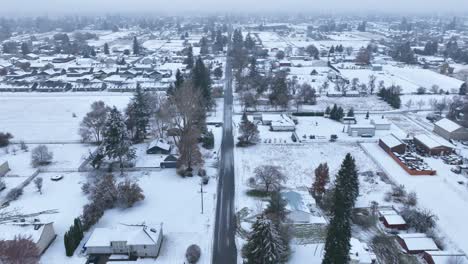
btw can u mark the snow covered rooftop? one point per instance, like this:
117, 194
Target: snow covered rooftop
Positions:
447, 257
160, 143
431, 142
418, 241
358, 252
448, 125
10, 230
391, 141
133, 235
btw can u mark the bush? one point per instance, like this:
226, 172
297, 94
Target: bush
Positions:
308, 113
201, 172
258, 193
91, 215
128, 193
5, 139
41, 155
420, 220
208, 140
14, 194
23, 146
193, 253
412, 199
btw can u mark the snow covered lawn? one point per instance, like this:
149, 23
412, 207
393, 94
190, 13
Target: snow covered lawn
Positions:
49, 117
175, 202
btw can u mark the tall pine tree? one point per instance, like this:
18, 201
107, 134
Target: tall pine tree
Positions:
139, 113
346, 191
202, 81
265, 245
136, 46
116, 143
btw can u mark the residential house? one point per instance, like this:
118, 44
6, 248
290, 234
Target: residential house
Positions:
159, 146
42, 234
130, 240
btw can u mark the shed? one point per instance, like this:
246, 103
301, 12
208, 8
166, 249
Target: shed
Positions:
433, 146
416, 243
159, 146
169, 162
444, 257
448, 129
391, 143
300, 206
391, 219
381, 124
4, 168
361, 130
278, 122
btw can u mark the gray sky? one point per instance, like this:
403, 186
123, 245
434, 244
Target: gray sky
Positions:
171, 6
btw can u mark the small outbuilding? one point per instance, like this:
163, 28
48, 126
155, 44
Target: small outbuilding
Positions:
381, 124
416, 243
361, 130
444, 257
450, 130
391, 219
433, 146
169, 162
391, 143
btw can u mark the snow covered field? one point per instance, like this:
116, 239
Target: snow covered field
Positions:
36, 117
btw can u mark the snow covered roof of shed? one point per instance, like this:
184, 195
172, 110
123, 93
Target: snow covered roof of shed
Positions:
448, 125
431, 142
418, 241
391, 141
447, 257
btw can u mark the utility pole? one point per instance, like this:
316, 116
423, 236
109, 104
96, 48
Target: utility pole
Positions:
201, 195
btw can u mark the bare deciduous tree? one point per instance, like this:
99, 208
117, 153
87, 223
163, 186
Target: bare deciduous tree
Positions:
128, 193
93, 123
41, 155
269, 177
38, 183
188, 117
20, 250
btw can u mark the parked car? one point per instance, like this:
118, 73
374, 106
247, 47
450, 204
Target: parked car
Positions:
456, 170
56, 177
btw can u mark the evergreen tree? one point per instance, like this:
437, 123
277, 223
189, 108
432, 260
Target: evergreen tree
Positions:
337, 244
264, 245
189, 60
202, 81
204, 46
346, 191
106, 49
116, 142
139, 114
249, 43
179, 79
136, 46
25, 48
219, 42
350, 112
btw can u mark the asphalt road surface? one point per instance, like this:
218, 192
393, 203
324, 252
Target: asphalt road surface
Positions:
224, 247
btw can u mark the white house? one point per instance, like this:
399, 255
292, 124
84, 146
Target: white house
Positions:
381, 124
131, 240
300, 207
42, 234
278, 122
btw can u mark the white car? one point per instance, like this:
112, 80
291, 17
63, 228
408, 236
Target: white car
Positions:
56, 177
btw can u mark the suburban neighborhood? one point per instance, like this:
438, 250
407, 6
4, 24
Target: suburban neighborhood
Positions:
228, 138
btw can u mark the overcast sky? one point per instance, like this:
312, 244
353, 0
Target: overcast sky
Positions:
172, 6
